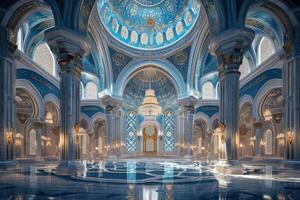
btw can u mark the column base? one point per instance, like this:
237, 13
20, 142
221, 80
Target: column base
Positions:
8, 164
229, 167
69, 167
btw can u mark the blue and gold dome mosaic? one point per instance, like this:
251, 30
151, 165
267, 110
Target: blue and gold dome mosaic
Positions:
148, 24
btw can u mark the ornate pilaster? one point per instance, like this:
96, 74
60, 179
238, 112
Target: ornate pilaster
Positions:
114, 123
258, 138
229, 48
7, 96
188, 110
70, 48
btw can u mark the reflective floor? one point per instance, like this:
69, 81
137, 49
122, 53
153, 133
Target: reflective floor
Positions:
150, 180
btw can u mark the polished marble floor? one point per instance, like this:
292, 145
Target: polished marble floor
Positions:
150, 180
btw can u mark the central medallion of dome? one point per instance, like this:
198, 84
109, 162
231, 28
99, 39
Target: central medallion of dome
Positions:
148, 24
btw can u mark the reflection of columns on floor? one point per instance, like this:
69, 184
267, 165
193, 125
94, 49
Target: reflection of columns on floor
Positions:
291, 89
179, 135
70, 48
7, 96
121, 133
188, 108
258, 138
114, 119
229, 48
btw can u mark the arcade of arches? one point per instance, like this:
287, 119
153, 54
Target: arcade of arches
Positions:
167, 79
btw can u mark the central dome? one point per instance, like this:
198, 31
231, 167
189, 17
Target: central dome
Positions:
148, 24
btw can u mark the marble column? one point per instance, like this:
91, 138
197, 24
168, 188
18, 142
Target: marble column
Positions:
7, 98
114, 122
188, 109
291, 89
179, 135
69, 48
229, 48
258, 137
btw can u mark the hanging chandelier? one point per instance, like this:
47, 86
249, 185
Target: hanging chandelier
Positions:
150, 106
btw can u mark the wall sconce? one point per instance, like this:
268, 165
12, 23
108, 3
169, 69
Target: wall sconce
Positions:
290, 137
268, 115
46, 141
280, 138
9, 136
19, 138
222, 133
252, 141
77, 131
262, 143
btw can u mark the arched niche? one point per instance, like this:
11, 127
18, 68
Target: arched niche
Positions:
271, 108
149, 77
201, 137
50, 135
98, 140
27, 111
246, 131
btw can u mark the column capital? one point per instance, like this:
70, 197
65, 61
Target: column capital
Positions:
7, 48
229, 48
69, 47
109, 100
188, 101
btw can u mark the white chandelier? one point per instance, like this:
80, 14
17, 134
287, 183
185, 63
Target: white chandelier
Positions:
150, 106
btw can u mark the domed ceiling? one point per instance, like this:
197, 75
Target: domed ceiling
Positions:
146, 78
146, 24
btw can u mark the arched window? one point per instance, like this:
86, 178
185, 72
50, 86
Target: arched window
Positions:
169, 131
266, 49
43, 56
49, 118
91, 90
20, 37
81, 91
208, 91
269, 142
245, 68
131, 131
32, 142
217, 90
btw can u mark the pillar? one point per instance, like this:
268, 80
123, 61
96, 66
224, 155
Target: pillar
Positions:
188, 110
69, 48
291, 89
258, 137
114, 125
229, 48
7, 98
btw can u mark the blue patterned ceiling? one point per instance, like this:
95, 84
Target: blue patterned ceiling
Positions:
145, 78
146, 24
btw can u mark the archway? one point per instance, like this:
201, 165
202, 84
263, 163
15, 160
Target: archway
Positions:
150, 139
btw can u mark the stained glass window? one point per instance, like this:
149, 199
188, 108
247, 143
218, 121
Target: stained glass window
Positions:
169, 131
131, 128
